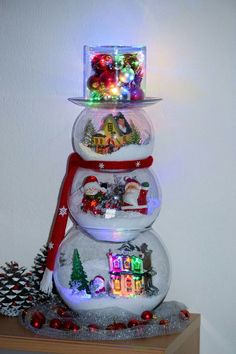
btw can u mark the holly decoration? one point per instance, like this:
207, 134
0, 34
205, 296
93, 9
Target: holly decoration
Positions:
16, 289
79, 280
37, 274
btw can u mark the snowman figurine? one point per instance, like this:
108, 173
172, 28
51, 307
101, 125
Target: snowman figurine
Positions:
96, 176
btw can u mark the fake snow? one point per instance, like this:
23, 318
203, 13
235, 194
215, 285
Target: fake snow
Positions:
125, 153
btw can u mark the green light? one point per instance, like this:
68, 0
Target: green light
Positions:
95, 96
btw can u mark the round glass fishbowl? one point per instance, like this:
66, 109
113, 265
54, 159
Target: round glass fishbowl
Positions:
114, 206
114, 73
133, 276
113, 135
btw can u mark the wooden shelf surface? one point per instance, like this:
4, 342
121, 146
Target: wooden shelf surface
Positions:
15, 337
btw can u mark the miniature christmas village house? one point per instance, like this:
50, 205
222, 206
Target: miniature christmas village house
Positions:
114, 133
126, 274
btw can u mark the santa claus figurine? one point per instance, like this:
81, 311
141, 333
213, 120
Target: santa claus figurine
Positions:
135, 196
97, 285
93, 196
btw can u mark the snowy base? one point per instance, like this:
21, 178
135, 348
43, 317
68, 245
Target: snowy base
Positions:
102, 318
126, 153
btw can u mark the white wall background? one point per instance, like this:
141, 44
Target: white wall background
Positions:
192, 65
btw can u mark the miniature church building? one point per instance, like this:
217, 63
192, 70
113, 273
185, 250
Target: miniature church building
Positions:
114, 132
126, 274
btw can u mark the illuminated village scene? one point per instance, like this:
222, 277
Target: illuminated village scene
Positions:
128, 274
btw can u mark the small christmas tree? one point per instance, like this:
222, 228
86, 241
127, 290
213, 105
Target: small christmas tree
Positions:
89, 131
135, 135
37, 274
79, 280
16, 289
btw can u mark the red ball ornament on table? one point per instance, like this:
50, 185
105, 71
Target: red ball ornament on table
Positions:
93, 327
184, 315
39, 316
164, 322
133, 323
136, 93
61, 311
55, 323
75, 327
147, 315
67, 325
36, 323
119, 326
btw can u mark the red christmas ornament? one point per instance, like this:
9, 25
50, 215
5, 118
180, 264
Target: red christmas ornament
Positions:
136, 93
75, 327
67, 325
102, 62
143, 323
55, 323
36, 323
93, 327
61, 311
94, 82
133, 323
108, 78
147, 315
119, 326
39, 316
184, 315
116, 326
164, 322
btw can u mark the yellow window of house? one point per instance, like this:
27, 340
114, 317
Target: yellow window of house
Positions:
137, 285
117, 285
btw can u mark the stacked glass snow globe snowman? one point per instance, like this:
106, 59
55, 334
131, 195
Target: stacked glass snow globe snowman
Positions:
110, 258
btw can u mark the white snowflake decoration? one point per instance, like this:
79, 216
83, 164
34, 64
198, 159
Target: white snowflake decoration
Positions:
50, 245
62, 211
